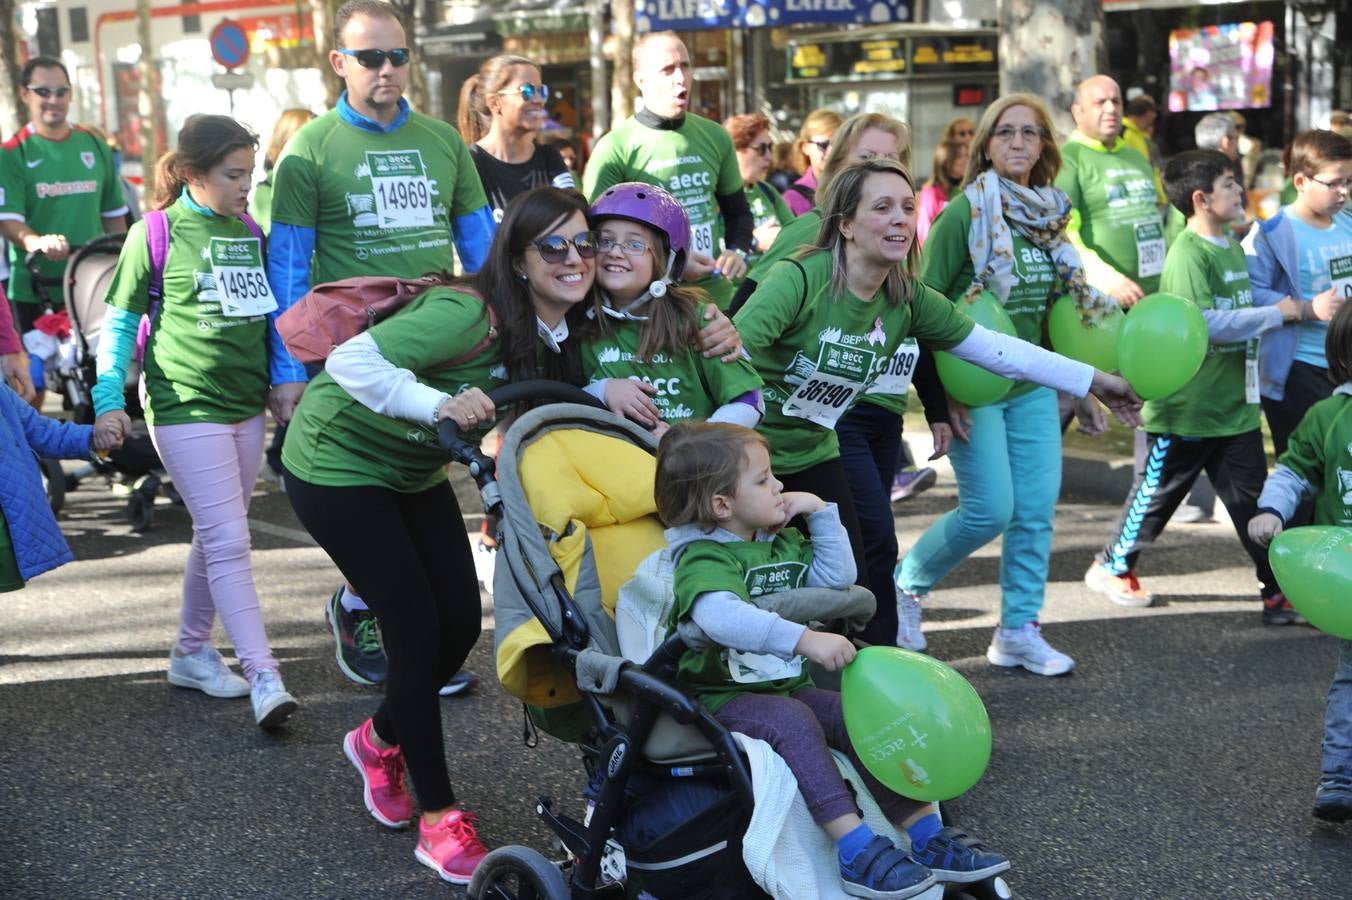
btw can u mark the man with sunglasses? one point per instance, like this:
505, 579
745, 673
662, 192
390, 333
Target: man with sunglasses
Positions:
1115, 223
58, 189
690, 156
369, 188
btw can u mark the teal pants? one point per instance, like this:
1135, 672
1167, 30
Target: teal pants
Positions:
1009, 476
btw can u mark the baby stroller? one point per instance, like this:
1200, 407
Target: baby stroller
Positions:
672, 791
71, 368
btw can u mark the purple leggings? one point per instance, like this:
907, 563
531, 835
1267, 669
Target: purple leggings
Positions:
802, 728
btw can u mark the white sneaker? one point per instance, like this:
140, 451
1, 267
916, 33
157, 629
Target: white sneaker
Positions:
909, 635
272, 704
485, 562
1028, 648
205, 671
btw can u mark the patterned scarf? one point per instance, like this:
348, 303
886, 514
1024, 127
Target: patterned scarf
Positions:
1040, 214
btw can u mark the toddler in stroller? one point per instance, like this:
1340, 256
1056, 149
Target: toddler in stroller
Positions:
579, 516
63, 348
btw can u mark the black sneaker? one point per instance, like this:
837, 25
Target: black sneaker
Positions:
356, 636
954, 856
1332, 803
1277, 610
460, 683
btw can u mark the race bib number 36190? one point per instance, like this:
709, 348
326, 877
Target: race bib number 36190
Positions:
841, 374
402, 190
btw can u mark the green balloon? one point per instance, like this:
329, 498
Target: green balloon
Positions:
1161, 345
1093, 344
917, 724
1313, 566
968, 384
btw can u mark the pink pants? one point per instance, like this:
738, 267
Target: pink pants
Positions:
214, 468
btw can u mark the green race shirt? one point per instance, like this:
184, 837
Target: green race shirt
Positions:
747, 569
1320, 451
57, 187
767, 208
201, 364
1212, 404
946, 266
694, 163
260, 204
795, 236
688, 385
1114, 221
337, 441
818, 353
379, 203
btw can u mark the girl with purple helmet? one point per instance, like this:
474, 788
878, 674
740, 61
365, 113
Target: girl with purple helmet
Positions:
639, 352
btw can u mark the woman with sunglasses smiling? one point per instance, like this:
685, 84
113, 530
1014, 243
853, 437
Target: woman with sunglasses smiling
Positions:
814, 142
502, 109
363, 448
751, 139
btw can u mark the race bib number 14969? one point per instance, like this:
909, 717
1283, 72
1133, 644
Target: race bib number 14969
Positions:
402, 190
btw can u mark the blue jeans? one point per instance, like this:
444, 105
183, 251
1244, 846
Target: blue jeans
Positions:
869, 439
1336, 767
1009, 476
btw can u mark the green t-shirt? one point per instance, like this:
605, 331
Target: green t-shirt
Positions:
688, 385
694, 163
818, 353
379, 203
946, 266
800, 233
201, 365
57, 187
767, 208
10, 577
337, 441
747, 569
1320, 451
1213, 403
1114, 215
260, 205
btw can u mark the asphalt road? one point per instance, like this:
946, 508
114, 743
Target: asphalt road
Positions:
1177, 761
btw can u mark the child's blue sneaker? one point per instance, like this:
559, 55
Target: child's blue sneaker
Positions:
883, 872
954, 856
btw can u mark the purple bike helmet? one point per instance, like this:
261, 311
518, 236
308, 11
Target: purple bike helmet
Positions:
650, 205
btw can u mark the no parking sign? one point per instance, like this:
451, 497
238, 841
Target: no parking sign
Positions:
229, 44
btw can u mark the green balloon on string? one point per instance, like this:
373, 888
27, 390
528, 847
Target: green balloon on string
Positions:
1313, 566
968, 384
916, 724
1093, 344
1161, 345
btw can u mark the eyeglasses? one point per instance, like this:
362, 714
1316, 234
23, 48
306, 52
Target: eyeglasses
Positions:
763, 149
628, 248
1342, 185
554, 247
46, 93
822, 144
374, 59
528, 92
1005, 133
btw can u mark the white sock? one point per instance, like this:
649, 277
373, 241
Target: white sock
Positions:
351, 602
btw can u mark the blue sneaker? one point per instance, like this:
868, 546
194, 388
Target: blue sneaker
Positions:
1332, 802
956, 857
883, 872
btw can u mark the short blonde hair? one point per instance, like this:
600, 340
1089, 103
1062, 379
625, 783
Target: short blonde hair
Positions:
288, 123
696, 461
1048, 163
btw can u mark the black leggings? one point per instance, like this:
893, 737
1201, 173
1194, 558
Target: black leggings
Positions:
408, 557
827, 480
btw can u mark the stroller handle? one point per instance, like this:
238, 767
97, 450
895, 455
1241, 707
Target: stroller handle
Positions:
507, 395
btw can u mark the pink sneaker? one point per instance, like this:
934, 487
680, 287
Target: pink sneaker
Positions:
451, 847
382, 774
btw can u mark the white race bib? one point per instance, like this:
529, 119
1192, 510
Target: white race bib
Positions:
895, 378
1149, 250
1340, 273
755, 668
241, 283
1251, 394
402, 190
841, 375
702, 239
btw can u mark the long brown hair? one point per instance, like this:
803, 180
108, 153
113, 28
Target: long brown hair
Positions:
474, 118
841, 202
203, 142
696, 461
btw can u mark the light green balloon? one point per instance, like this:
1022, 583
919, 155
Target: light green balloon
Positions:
917, 725
1093, 344
1161, 345
1313, 566
968, 384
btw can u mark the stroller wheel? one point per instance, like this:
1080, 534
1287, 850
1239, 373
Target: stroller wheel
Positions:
141, 509
517, 873
54, 482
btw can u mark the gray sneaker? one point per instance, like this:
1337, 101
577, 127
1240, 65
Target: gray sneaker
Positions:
272, 704
205, 671
1028, 648
909, 635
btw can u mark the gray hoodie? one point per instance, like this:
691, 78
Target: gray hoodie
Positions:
731, 622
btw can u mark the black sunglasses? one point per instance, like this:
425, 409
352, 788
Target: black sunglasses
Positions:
46, 93
763, 149
554, 247
374, 59
822, 144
